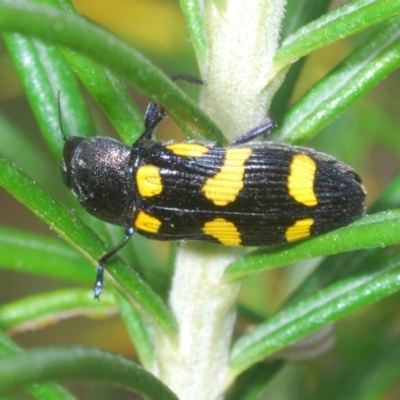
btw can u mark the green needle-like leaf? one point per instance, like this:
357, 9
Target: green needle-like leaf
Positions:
81, 238
48, 308
358, 73
194, 16
345, 21
137, 330
40, 391
320, 309
297, 14
109, 92
377, 230
79, 34
80, 363
43, 72
31, 253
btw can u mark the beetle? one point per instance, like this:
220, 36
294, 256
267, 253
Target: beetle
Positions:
246, 194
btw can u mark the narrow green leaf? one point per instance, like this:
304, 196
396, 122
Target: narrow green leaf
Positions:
79, 363
137, 331
42, 391
377, 230
358, 73
320, 309
36, 254
330, 270
194, 16
338, 24
43, 72
297, 14
85, 241
48, 308
91, 40
106, 88
48, 72
111, 95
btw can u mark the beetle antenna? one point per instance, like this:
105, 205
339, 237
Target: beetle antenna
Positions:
59, 116
187, 78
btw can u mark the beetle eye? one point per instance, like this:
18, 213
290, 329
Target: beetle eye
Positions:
69, 148
68, 153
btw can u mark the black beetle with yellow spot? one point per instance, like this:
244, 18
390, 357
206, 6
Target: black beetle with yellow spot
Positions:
254, 194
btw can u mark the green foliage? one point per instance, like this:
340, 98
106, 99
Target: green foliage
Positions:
50, 46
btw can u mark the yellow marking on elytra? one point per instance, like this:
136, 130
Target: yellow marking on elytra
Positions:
147, 223
224, 231
301, 180
301, 229
225, 185
148, 181
188, 149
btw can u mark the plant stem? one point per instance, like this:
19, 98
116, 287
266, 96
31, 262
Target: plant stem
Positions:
241, 42
196, 366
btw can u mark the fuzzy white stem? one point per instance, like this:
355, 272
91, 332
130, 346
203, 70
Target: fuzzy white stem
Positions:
242, 38
195, 368
242, 41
